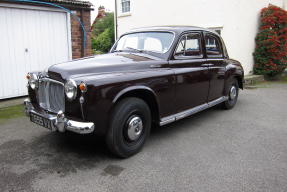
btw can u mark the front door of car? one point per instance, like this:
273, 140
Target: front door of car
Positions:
216, 62
191, 71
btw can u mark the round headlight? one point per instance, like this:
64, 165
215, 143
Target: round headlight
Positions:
71, 89
33, 80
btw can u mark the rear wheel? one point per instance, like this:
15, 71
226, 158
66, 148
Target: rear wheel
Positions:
233, 90
129, 127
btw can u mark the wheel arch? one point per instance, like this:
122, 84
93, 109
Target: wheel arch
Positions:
239, 80
144, 93
236, 77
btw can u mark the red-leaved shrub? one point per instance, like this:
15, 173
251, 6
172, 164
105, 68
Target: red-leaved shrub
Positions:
270, 54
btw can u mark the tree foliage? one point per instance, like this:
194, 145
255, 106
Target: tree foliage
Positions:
103, 33
103, 42
270, 54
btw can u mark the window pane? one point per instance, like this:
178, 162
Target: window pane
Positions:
152, 44
189, 45
212, 46
180, 48
125, 6
192, 47
149, 41
125, 42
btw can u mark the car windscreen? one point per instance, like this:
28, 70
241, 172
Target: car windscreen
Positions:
158, 42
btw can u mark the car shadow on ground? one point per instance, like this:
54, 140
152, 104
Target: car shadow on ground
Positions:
64, 154
91, 147
87, 146
68, 151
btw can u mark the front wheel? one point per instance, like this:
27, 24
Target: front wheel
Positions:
129, 128
233, 90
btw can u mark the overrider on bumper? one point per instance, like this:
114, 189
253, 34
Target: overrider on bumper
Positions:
57, 122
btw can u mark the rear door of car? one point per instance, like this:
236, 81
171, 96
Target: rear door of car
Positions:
191, 71
215, 60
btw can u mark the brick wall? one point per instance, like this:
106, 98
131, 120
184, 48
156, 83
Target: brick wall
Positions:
77, 33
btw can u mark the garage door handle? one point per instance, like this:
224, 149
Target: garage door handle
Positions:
207, 65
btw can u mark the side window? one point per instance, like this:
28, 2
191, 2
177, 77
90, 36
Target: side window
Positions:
189, 46
180, 47
213, 47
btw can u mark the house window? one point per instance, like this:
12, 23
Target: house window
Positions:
126, 6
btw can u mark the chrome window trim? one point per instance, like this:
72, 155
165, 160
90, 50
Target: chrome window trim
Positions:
201, 56
133, 32
219, 56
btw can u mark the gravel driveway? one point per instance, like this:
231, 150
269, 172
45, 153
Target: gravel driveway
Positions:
244, 149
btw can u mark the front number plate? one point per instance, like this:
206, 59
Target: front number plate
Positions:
41, 121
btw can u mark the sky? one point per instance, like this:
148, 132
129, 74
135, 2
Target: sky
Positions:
108, 4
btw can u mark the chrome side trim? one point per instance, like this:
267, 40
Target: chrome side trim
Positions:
214, 59
167, 120
186, 113
189, 112
217, 101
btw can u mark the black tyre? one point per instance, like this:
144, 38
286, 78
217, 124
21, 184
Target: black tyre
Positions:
129, 127
233, 90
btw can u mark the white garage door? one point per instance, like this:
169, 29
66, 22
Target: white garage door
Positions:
31, 39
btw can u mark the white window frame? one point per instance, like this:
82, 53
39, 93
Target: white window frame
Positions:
120, 9
216, 29
127, 9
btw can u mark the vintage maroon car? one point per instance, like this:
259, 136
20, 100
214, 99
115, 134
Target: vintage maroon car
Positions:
152, 76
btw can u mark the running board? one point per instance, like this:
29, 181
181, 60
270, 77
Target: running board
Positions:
183, 114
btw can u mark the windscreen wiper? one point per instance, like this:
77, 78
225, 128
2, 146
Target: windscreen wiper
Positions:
118, 50
134, 49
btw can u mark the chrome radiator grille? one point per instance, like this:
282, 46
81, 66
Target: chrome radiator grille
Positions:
51, 95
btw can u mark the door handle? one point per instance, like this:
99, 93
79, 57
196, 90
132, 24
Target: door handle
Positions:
207, 65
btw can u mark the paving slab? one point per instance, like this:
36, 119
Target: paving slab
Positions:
243, 149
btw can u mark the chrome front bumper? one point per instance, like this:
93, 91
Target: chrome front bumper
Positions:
59, 122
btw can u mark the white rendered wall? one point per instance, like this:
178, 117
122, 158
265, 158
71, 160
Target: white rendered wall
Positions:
238, 18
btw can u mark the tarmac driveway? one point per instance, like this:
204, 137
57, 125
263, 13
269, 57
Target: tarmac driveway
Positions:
244, 149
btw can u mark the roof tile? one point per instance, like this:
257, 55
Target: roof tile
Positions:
71, 2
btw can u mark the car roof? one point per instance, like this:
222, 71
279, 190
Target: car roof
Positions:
173, 28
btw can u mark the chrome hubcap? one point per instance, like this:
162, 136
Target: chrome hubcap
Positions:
135, 128
232, 93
